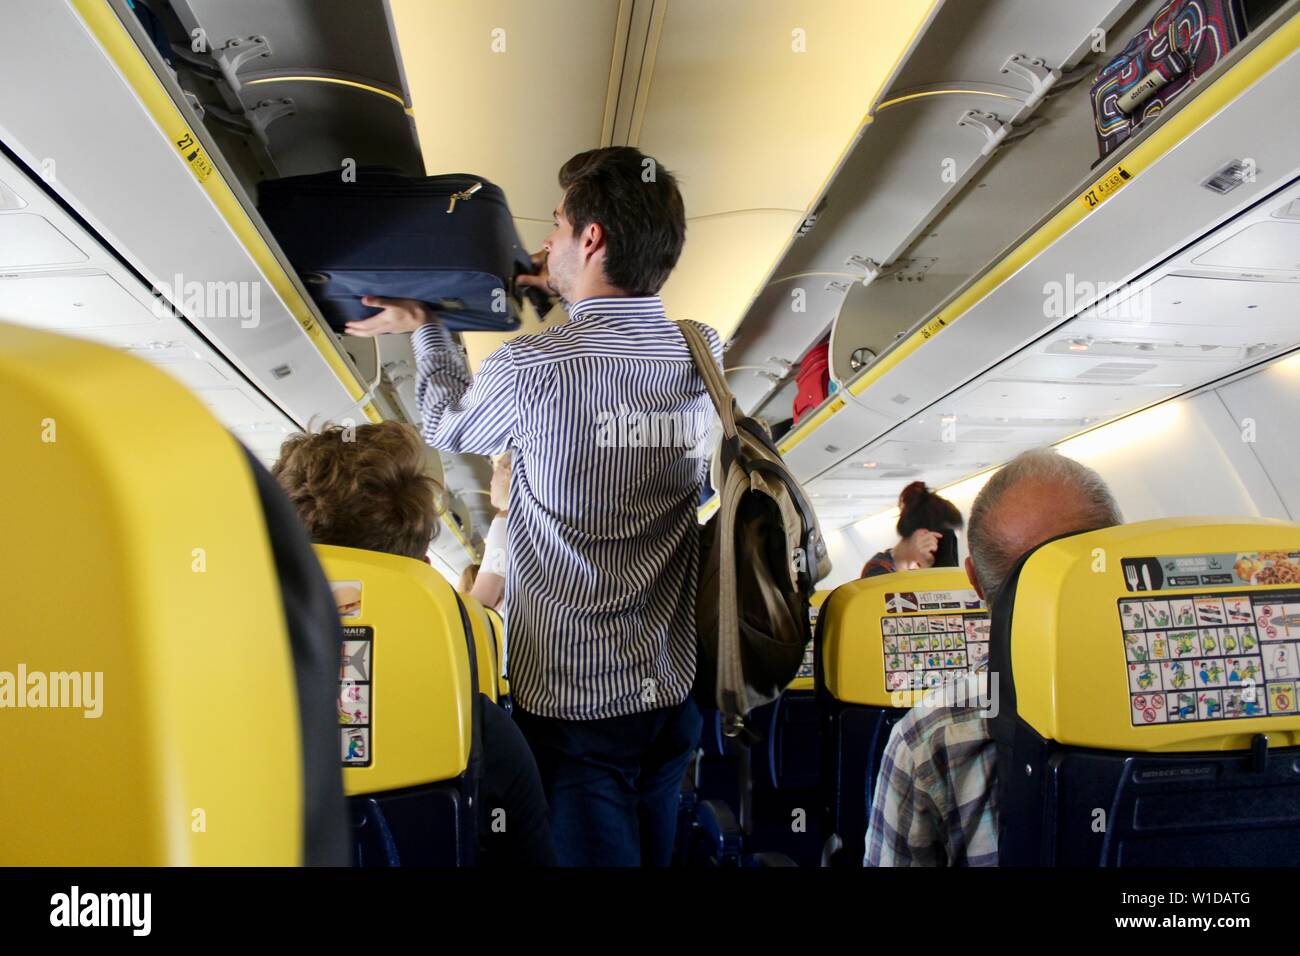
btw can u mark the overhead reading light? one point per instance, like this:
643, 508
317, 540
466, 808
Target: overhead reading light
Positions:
1079, 345
869, 464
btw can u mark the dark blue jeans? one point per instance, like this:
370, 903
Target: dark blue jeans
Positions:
612, 785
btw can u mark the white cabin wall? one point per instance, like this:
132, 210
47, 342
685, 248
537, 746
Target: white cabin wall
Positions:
1271, 399
1188, 457
845, 546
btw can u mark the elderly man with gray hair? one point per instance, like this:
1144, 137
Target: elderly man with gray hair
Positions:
935, 801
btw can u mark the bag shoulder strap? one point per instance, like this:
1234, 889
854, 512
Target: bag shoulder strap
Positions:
714, 381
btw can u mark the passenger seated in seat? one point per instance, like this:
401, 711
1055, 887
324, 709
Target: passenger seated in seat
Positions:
467, 578
371, 491
926, 526
935, 802
490, 585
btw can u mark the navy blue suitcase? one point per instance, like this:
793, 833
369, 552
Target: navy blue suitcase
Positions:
447, 240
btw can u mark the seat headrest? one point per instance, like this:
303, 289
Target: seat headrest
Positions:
888, 639
146, 684
406, 690
1179, 634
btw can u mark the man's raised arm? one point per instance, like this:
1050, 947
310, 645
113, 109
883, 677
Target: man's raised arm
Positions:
457, 415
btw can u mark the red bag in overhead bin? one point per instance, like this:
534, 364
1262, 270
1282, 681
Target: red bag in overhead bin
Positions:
813, 379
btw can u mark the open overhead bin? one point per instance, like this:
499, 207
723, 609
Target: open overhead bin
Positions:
1139, 287
971, 90
295, 86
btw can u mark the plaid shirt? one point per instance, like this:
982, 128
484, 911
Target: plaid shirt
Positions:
935, 802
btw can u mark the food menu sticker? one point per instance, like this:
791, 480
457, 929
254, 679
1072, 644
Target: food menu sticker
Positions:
1211, 657
355, 700
908, 602
1212, 570
929, 650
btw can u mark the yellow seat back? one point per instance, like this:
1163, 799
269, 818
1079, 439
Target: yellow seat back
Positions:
804, 678
1172, 635
485, 648
139, 574
499, 632
888, 639
405, 687
1147, 682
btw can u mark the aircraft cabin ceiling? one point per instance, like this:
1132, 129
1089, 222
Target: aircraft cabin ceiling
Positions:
752, 103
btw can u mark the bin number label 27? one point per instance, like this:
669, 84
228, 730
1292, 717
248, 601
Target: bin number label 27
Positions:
195, 155
1110, 184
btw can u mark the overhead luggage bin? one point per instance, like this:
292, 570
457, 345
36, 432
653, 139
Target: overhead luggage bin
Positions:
175, 209
97, 297
968, 91
176, 214
1071, 268
336, 68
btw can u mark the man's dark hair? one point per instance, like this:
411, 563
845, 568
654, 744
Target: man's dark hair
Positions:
637, 203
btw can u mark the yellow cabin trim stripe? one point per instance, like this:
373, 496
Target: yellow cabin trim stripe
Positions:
1219, 94
117, 44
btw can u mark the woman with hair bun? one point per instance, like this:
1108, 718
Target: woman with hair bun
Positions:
926, 526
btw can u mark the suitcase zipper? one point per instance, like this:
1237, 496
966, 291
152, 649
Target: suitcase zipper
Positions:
465, 194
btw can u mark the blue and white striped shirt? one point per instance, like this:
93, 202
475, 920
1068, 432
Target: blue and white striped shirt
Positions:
608, 420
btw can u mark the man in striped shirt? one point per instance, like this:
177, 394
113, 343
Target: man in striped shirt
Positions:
935, 802
606, 416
